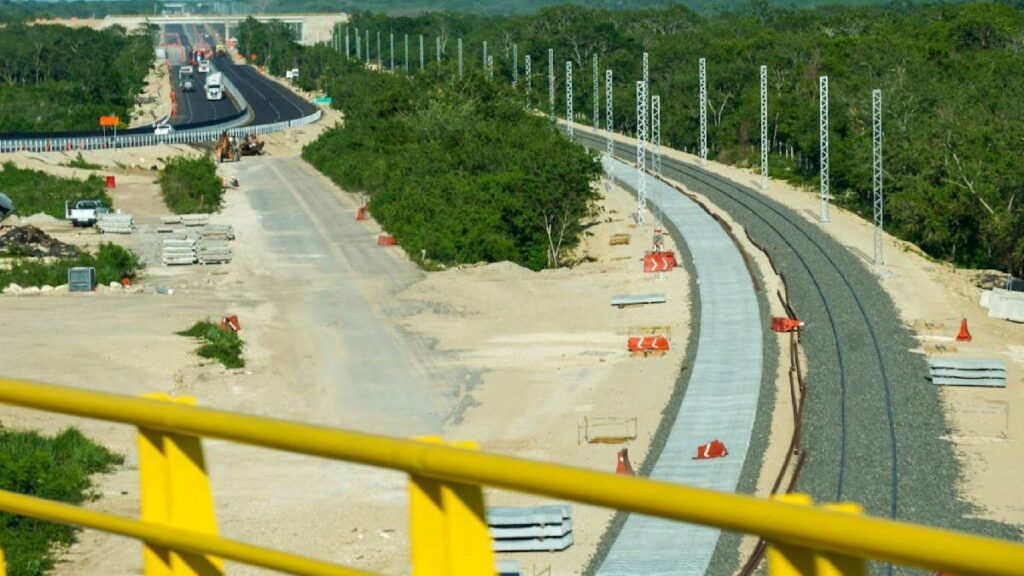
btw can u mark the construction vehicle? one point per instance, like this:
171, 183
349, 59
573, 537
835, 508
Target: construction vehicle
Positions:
227, 149
251, 146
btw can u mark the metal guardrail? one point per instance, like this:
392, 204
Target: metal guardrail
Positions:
137, 140
448, 528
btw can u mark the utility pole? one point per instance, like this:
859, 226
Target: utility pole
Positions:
703, 113
359, 53
823, 135
568, 97
551, 84
485, 54
764, 128
656, 134
437, 47
460, 58
490, 67
515, 65
380, 54
423, 59
528, 71
641, 152
597, 95
367, 46
392, 37
876, 155
405, 63
348, 46
609, 122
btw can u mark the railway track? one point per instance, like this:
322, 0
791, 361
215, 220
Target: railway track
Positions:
852, 440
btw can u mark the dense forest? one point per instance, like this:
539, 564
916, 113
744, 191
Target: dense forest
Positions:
454, 169
56, 78
950, 77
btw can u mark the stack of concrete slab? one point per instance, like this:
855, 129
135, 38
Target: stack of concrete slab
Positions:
213, 252
217, 232
967, 372
115, 223
536, 529
179, 251
195, 219
1004, 304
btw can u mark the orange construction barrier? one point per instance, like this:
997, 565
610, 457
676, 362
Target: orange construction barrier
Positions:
386, 240
623, 466
781, 324
648, 344
713, 449
361, 213
659, 261
231, 323
110, 182
965, 334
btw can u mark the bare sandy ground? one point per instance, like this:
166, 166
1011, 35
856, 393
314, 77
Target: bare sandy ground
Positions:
932, 297
538, 351
154, 103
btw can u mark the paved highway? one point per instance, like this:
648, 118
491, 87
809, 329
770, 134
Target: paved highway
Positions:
193, 107
270, 101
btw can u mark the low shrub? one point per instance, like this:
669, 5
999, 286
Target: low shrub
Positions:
191, 185
111, 261
55, 468
35, 192
219, 344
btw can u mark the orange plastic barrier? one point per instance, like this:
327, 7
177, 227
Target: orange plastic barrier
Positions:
713, 449
781, 324
111, 183
623, 466
648, 344
361, 213
231, 323
386, 240
659, 261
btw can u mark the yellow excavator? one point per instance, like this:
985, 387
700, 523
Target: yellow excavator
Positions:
227, 149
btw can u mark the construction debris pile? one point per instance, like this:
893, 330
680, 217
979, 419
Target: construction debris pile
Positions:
31, 241
199, 242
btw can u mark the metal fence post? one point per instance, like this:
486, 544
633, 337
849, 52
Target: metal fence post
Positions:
790, 560
175, 492
448, 525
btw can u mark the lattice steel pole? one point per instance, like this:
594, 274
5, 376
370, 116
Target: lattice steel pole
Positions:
460, 57
703, 113
528, 71
551, 84
764, 128
490, 66
641, 152
656, 134
423, 57
647, 74
568, 97
515, 65
823, 139
609, 122
876, 156
597, 95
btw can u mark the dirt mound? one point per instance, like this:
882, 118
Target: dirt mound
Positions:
31, 241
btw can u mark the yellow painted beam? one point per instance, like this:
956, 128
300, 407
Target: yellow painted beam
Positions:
807, 527
170, 538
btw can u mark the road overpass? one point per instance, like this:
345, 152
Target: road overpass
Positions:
309, 28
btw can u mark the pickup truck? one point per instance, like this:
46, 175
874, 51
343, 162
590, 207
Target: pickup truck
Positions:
204, 67
84, 212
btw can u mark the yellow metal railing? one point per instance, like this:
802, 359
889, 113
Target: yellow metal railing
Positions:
447, 525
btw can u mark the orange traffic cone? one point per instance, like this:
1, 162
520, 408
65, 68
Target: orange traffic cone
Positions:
623, 466
965, 334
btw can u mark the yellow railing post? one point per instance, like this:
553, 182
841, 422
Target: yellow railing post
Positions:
175, 491
3, 564
791, 560
448, 526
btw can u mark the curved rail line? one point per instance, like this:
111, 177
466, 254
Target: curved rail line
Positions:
758, 207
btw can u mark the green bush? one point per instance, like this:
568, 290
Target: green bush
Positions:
111, 261
191, 185
56, 468
35, 192
80, 162
221, 345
